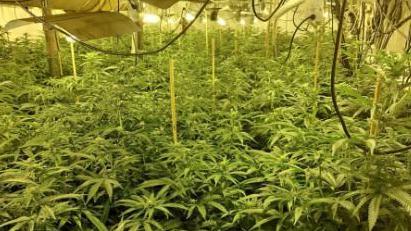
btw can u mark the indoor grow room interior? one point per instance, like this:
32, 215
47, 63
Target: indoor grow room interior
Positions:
223, 115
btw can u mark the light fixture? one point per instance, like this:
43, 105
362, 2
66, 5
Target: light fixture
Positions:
151, 18
221, 22
214, 13
189, 17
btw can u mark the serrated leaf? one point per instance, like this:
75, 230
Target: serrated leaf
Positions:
21, 220
109, 188
262, 222
155, 183
93, 191
95, 221
338, 145
218, 206
297, 214
19, 180
202, 210
63, 197
401, 197
373, 211
371, 144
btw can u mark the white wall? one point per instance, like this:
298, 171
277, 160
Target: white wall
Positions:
399, 38
8, 13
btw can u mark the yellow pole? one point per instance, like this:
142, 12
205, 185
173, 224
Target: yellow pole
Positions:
274, 39
236, 52
61, 65
267, 40
51, 44
373, 118
73, 59
317, 58
206, 30
268, 35
220, 32
213, 66
173, 102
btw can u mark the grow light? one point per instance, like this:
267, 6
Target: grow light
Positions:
221, 22
189, 17
151, 18
172, 20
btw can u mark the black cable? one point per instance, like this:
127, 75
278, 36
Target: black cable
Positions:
295, 24
333, 92
311, 17
334, 69
253, 6
108, 52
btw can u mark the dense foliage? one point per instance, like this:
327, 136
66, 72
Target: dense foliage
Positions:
263, 151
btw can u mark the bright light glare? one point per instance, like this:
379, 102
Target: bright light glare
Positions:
242, 22
151, 18
189, 17
221, 22
171, 20
71, 39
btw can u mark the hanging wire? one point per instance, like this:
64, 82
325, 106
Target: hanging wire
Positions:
253, 6
110, 52
334, 69
311, 17
333, 90
294, 16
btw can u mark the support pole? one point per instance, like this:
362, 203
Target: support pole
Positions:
274, 38
213, 67
73, 59
267, 40
373, 119
206, 30
317, 57
173, 101
236, 45
140, 36
52, 45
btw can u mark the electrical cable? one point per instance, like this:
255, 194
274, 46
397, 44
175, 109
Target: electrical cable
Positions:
295, 24
334, 69
333, 91
253, 6
172, 41
108, 52
311, 17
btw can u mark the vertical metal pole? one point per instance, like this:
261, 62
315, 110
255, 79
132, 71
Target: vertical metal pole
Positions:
140, 24
267, 42
51, 44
